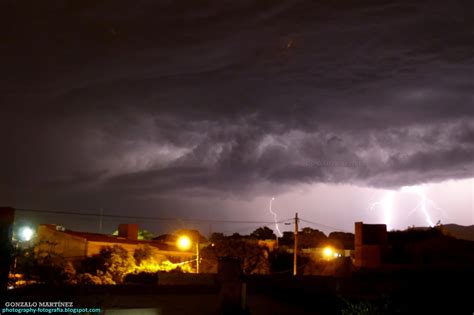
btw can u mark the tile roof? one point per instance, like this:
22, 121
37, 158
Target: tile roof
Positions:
96, 237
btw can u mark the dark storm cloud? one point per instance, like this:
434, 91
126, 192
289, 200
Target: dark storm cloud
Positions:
170, 97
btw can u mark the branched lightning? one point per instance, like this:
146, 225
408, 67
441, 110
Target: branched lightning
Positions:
275, 218
386, 204
424, 203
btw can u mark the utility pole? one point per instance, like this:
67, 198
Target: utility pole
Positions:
197, 257
295, 250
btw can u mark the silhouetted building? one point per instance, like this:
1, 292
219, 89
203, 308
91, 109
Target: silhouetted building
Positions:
370, 244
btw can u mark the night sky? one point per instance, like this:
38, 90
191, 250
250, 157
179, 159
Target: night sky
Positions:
208, 109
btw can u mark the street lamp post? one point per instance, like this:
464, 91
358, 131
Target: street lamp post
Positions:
185, 243
197, 257
25, 234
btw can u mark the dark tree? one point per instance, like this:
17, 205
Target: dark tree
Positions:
253, 258
216, 237
141, 254
263, 233
41, 263
107, 267
310, 238
236, 236
287, 239
342, 240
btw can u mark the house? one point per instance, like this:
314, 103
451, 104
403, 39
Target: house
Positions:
75, 246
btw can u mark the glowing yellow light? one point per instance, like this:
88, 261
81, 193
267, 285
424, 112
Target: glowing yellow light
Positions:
184, 242
328, 252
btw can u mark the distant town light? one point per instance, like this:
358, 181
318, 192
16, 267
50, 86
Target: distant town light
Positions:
184, 242
26, 233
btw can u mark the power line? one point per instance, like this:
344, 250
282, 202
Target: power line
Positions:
78, 213
146, 218
323, 225
245, 229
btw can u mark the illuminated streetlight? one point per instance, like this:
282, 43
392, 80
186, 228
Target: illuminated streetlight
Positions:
328, 252
184, 243
25, 233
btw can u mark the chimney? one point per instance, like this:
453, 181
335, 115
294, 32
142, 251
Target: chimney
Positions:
128, 231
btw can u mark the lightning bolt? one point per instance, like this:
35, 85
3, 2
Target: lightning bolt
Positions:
275, 218
424, 203
386, 204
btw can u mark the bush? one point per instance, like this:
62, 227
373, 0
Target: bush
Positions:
360, 308
41, 264
110, 266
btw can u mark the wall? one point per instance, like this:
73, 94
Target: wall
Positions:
68, 246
